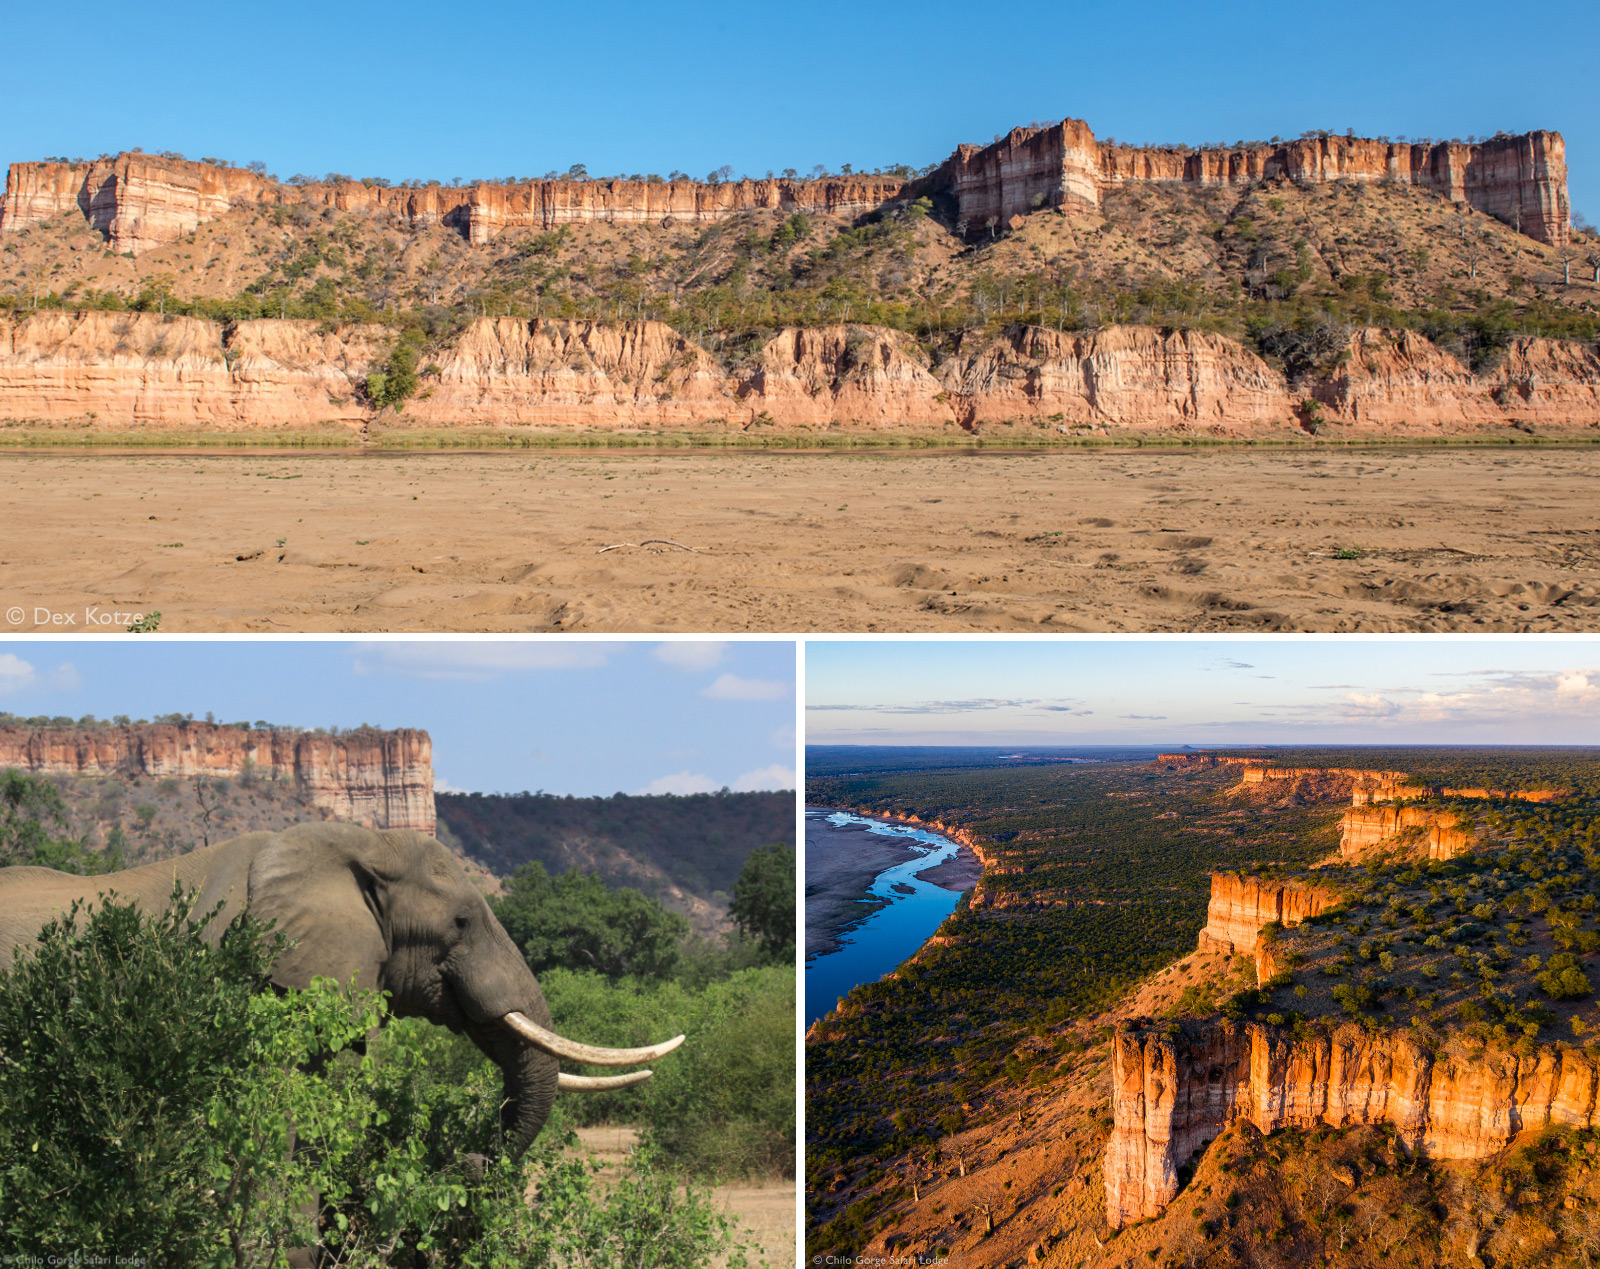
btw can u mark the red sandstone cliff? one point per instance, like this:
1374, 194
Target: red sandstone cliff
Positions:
139, 200
1365, 831
383, 779
1123, 376
139, 369
1240, 906
1173, 1093
1522, 180
119, 370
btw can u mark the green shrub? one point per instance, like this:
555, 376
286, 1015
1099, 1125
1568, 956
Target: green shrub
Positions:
150, 1083
1564, 978
723, 1104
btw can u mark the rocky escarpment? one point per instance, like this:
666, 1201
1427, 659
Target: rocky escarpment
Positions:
383, 779
1313, 783
138, 201
1169, 380
117, 370
1176, 1089
1364, 831
1240, 906
121, 370
1521, 180
1397, 787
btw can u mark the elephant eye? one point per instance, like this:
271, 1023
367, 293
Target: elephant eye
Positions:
461, 923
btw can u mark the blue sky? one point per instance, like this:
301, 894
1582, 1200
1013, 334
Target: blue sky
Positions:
565, 716
515, 89
1284, 691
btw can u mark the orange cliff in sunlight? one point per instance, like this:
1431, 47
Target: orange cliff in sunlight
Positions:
383, 779
113, 371
138, 201
1174, 1090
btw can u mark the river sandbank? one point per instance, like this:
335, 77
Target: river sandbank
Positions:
1496, 539
841, 862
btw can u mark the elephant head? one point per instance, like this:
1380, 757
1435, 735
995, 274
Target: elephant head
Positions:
394, 910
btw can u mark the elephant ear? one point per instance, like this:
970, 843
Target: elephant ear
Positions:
321, 887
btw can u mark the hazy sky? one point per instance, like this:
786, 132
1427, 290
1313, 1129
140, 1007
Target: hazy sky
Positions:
565, 716
407, 89
1297, 690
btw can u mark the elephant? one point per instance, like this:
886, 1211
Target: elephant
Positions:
391, 909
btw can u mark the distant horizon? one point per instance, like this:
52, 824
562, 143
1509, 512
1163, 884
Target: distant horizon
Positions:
1231, 744
1204, 693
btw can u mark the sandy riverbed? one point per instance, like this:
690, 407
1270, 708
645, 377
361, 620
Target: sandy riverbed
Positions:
1094, 540
842, 860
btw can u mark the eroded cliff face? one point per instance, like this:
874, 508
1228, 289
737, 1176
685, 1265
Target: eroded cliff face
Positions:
1364, 831
1124, 376
139, 201
856, 375
119, 370
383, 779
1522, 180
507, 372
1315, 783
1172, 1093
142, 370
1240, 906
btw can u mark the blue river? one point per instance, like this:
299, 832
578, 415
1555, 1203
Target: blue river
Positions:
871, 949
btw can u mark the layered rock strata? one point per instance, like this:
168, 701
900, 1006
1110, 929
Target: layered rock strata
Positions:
1240, 906
120, 370
1173, 380
1397, 789
1173, 1093
116, 370
1521, 180
138, 201
383, 779
1364, 831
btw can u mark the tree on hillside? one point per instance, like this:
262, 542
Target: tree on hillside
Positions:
572, 921
763, 900
33, 823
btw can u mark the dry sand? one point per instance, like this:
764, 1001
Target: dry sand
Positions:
766, 1212
1501, 539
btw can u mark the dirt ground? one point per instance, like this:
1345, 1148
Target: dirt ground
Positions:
1248, 540
766, 1212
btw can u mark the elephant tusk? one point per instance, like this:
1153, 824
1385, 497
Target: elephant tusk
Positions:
599, 1083
561, 1047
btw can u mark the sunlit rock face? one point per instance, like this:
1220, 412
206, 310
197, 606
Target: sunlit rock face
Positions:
381, 779
1173, 1093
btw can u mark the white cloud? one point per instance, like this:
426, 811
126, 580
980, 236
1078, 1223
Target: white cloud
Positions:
473, 659
730, 687
681, 782
441, 785
777, 776
690, 654
17, 675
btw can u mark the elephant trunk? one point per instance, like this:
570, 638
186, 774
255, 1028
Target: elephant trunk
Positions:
529, 1081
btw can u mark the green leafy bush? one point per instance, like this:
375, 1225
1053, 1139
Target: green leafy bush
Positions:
763, 899
572, 921
150, 1085
723, 1104
1564, 979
